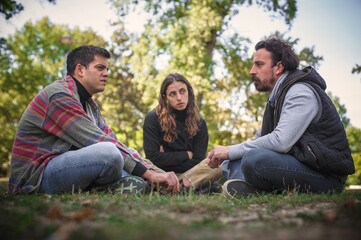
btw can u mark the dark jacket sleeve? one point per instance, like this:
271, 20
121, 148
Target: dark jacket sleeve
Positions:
152, 140
200, 143
198, 148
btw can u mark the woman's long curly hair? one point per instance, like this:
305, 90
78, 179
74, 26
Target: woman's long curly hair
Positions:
167, 117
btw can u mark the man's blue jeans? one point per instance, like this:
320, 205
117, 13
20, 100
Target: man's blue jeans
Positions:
268, 170
98, 164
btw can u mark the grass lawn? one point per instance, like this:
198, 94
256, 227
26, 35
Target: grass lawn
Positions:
101, 216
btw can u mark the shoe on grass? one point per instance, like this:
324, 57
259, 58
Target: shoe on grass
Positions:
130, 185
239, 188
183, 189
212, 188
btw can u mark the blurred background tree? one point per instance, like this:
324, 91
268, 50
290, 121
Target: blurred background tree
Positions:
9, 8
356, 69
121, 102
354, 136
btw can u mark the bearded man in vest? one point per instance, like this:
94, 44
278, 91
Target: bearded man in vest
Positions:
302, 144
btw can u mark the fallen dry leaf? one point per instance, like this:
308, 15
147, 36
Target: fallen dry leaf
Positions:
330, 216
63, 231
89, 201
56, 213
351, 203
82, 214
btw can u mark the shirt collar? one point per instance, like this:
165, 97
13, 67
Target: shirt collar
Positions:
83, 93
276, 89
180, 114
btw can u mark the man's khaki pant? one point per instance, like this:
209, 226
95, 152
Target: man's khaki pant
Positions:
200, 175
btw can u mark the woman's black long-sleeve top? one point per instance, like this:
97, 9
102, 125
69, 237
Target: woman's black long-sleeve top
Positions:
175, 157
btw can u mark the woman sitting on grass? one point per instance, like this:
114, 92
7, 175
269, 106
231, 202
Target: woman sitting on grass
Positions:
176, 137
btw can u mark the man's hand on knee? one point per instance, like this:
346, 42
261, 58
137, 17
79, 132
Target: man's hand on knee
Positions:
169, 179
217, 155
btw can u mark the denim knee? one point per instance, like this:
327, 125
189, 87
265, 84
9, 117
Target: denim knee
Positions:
232, 169
109, 154
253, 160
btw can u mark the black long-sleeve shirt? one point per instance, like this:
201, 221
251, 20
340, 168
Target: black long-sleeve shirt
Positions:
175, 157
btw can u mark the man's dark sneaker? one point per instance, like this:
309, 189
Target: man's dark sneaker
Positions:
130, 185
239, 188
212, 188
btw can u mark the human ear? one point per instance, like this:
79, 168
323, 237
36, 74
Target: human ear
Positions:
79, 70
279, 68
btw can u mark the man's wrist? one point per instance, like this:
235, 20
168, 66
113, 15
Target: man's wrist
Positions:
148, 174
139, 169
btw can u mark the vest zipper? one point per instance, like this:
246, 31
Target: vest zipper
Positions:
313, 155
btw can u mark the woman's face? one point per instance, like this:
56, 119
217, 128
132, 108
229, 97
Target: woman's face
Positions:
177, 95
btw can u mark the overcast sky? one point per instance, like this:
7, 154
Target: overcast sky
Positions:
332, 26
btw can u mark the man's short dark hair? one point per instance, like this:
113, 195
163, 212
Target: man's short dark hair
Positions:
83, 55
281, 51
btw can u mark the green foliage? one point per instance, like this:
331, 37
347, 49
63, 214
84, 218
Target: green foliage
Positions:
121, 103
354, 139
355, 179
31, 59
9, 8
356, 69
341, 109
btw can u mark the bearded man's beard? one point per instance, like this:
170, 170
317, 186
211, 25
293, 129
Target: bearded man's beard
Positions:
262, 88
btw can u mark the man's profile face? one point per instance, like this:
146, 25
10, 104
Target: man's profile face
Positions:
95, 75
263, 74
